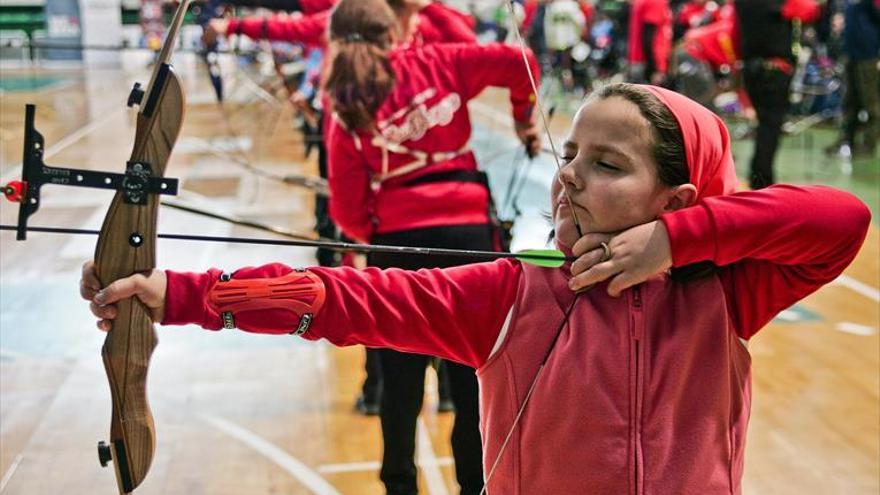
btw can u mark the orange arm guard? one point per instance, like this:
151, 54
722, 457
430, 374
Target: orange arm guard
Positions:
299, 292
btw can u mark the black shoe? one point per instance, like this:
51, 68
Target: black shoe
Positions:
445, 406
366, 408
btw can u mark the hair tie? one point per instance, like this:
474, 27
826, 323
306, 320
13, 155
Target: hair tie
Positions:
353, 37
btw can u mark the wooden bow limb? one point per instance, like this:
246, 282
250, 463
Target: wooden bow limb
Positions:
126, 245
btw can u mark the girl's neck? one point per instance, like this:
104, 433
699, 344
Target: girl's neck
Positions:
409, 24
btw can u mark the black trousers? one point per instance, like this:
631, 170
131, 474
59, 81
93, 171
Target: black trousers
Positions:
768, 88
372, 387
862, 93
403, 374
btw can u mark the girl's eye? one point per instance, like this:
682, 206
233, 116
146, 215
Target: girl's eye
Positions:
566, 158
607, 166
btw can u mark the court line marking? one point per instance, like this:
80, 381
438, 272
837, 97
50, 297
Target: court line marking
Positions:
10, 472
309, 478
64, 142
427, 458
354, 467
855, 329
857, 286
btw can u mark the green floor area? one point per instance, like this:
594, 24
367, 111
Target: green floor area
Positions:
29, 82
801, 160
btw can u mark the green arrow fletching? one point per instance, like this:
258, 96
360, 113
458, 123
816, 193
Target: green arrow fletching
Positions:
547, 258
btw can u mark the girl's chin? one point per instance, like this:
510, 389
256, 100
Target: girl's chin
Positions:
566, 233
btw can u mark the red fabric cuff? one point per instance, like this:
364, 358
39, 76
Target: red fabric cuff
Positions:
524, 114
691, 235
523, 111
186, 299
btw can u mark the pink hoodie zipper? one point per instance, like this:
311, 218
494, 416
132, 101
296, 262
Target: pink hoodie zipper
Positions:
637, 377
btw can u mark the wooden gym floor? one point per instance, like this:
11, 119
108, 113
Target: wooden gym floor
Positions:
247, 414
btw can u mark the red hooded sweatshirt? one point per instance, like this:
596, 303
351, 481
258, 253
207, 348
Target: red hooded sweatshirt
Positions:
437, 24
645, 393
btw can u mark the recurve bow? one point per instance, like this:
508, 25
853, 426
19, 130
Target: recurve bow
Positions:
126, 245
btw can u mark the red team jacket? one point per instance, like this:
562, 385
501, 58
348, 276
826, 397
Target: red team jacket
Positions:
423, 127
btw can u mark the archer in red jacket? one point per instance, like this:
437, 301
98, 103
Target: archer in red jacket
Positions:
650, 39
645, 376
401, 173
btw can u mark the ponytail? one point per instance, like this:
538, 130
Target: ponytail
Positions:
360, 76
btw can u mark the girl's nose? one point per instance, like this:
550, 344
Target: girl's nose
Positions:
569, 179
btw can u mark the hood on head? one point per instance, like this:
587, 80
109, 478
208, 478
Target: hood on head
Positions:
706, 144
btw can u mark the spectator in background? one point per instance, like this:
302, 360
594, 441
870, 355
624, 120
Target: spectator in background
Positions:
766, 30
564, 27
861, 42
650, 40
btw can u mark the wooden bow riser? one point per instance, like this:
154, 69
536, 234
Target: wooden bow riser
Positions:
126, 246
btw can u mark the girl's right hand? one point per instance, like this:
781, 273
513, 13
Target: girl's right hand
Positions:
631, 257
528, 134
148, 287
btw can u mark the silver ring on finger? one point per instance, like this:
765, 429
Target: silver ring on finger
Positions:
606, 252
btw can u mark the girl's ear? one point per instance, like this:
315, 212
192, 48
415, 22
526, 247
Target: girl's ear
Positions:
681, 196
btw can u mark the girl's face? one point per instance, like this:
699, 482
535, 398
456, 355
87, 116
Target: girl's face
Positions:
609, 171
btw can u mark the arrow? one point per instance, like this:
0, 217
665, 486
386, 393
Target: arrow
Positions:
548, 258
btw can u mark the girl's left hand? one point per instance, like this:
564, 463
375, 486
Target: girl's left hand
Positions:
636, 254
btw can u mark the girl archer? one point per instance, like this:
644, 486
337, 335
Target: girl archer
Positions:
629, 359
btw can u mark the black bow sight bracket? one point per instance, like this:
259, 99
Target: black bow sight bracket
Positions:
135, 184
